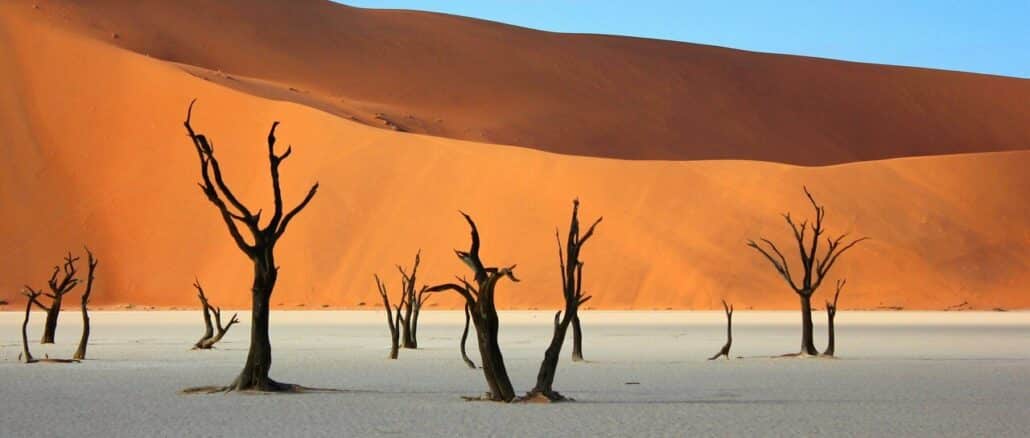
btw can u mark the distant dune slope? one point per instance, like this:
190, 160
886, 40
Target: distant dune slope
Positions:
94, 152
577, 94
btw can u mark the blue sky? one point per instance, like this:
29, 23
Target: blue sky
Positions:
978, 36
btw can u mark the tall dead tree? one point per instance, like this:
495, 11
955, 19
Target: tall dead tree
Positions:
212, 332
58, 289
412, 303
80, 353
831, 312
813, 267
260, 249
464, 337
572, 292
480, 300
393, 319
725, 351
32, 296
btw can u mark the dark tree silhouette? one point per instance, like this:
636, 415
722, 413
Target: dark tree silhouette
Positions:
393, 320
212, 332
577, 340
480, 300
32, 296
831, 312
58, 289
209, 329
814, 268
260, 249
464, 336
412, 304
572, 292
725, 351
80, 353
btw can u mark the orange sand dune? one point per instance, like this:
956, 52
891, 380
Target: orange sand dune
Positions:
94, 152
579, 94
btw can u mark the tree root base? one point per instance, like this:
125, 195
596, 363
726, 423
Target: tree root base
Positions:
543, 397
48, 360
271, 388
486, 397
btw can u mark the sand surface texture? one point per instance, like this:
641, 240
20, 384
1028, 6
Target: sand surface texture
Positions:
898, 374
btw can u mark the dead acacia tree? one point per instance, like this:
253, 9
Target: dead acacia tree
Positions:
412, 304
58, 289
480, 300
831, 312
32, 296
725, 351
572, 291
209, 329
393, 319
80, 353
212, 332
464, 336
260, 249
813, 267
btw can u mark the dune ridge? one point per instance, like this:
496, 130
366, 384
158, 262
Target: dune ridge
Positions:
96, 154
592, 95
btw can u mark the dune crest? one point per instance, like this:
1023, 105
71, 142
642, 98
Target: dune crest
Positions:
591, 95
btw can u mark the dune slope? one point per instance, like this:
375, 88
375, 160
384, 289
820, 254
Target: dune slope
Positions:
95, 153
577, 94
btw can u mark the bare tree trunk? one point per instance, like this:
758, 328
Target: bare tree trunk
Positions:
80, 353
487, 327
725, 351
393, 321
464, 337
209, 329
259, 357
807, 342
831, 313
577, 340
572, 293
50, 324
26, 355
208, 343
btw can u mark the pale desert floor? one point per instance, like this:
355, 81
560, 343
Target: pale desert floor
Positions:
899, 373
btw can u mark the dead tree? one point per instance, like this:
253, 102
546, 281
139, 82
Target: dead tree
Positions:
577, 340
260, 249
393, 320
480, 300
80, 353
32, 296
212, 332
725, 351
209, 329
412, 304
572, 292
464, 336
831, 312
814, 268
420, 300
58, 289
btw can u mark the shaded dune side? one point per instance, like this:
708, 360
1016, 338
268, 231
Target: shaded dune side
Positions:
589, 95
100, 156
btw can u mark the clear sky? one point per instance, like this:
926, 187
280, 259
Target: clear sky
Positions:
978, 36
